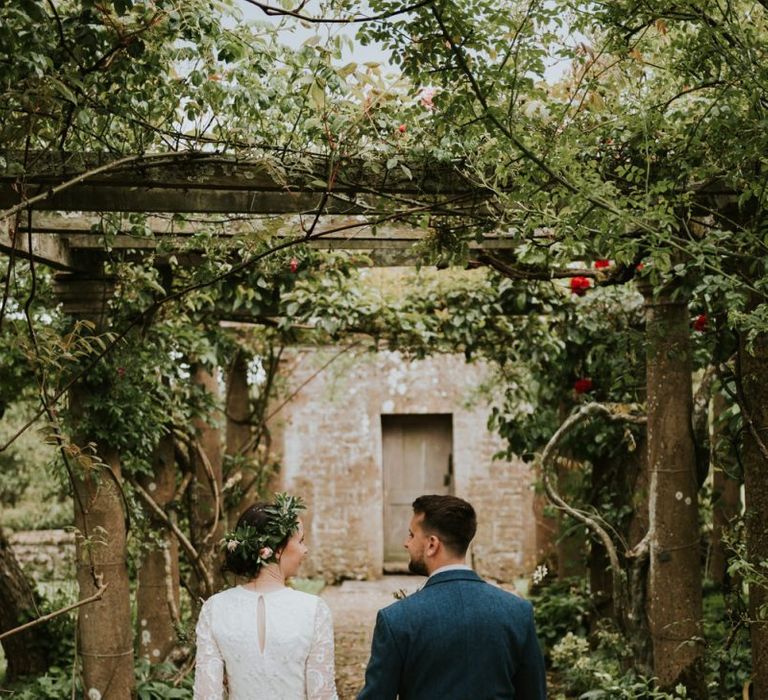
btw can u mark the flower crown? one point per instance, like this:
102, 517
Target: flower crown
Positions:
258, 546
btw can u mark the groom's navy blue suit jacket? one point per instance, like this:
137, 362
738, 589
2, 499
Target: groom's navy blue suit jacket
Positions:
458, 638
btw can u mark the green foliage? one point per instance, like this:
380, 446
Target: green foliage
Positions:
651, 147
54, 684
56, 596
728, 658
157, 682
30, 476
598, 338
152, 683
562, 607
591, 663
595, 671
14, 478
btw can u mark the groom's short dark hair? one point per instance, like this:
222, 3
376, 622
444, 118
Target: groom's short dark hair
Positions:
451, 518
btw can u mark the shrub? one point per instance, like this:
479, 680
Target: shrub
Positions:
562, 607
594, 671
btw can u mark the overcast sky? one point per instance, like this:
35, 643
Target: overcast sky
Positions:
296, 34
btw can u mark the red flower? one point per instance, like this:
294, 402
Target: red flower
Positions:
579, 286
639, 267
121, 372
402, 128
602, 264
700, 323
583, 385
293, 265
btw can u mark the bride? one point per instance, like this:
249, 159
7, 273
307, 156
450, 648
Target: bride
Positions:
263, 639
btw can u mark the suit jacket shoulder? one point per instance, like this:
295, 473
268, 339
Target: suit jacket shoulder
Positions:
459, 634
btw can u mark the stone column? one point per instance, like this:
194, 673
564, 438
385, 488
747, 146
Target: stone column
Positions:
237, 405
753, 366
104, 627
157, 595
206, 523
674, 588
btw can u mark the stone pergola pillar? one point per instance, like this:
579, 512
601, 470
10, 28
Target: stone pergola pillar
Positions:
237, 405
239, 431
674, 586
205, 493
105, 640
753, 358
157, 594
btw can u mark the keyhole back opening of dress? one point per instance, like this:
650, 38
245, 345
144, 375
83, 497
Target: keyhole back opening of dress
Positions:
261, 622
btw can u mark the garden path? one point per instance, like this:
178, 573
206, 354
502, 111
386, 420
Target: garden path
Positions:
354, 605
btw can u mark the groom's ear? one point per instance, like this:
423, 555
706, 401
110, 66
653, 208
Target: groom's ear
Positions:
433, 545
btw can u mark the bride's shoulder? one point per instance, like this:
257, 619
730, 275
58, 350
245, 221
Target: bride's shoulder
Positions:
312, 607
226, 594
301, 597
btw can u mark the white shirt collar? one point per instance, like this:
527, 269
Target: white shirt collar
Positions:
451, 567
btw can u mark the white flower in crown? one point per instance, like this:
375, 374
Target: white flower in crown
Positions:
232, 545
265, 553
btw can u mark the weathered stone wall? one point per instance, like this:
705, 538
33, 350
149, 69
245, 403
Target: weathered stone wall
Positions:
45, 555
331, 440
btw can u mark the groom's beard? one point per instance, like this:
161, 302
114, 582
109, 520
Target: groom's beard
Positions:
418, 567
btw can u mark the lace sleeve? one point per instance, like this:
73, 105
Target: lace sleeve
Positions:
209, 664
321, 670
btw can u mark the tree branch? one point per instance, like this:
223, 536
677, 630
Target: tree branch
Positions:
91, 599
618, 413
273, 11
527, 272
202, 573
214, 487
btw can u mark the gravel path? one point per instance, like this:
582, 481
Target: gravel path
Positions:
354, 605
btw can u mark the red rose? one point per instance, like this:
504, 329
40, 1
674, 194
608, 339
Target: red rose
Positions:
402, 128
293, 265
121, 372
602, 264
583, 385
700, 323
579, 285
639, 267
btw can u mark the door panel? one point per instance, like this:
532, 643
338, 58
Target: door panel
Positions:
417, 460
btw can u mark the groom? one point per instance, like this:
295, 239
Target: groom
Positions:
458, 638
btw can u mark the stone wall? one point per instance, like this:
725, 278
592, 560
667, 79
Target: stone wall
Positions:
45, 555
331, 440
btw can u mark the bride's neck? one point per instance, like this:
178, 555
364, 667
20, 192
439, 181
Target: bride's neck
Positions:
270, 578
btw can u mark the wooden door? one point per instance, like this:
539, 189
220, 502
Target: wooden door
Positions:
417, 460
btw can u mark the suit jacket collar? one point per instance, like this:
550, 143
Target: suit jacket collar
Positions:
453, 575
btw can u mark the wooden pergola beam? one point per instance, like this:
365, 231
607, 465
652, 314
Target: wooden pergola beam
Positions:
389, 245
52, 251
212, 183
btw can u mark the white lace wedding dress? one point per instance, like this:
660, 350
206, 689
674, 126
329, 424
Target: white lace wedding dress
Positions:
295, 663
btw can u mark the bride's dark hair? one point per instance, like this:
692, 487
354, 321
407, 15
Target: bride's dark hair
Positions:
240, 560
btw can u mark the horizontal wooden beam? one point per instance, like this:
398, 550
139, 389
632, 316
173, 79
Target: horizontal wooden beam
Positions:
391, 245
135, 198
82, 241
52, 251
202, 182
